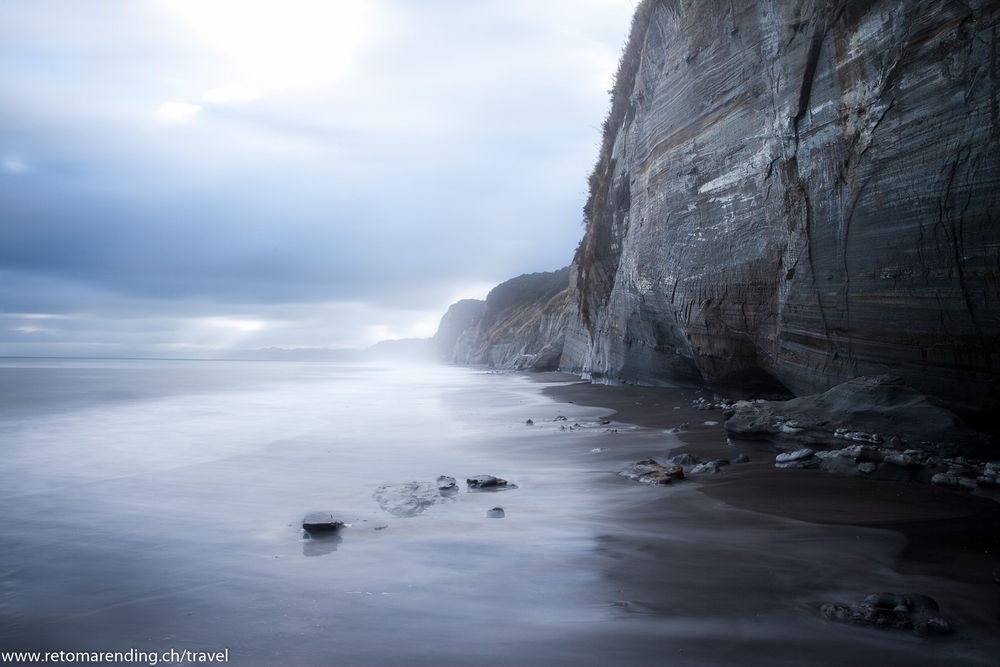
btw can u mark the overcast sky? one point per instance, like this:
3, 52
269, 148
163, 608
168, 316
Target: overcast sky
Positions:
183, 176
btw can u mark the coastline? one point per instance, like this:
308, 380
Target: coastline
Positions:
947, 533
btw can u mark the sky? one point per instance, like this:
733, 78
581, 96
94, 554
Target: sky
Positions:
183, 177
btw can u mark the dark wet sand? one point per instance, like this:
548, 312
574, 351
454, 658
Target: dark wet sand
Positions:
950, 534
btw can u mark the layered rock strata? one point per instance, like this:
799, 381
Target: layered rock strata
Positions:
520, 325
806, 189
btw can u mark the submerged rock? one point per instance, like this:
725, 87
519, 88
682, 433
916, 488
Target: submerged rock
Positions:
649, 471
495, 513
321, 522
446, 483
411, 498
916, 613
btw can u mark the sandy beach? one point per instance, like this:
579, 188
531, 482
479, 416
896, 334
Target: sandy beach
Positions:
947, 540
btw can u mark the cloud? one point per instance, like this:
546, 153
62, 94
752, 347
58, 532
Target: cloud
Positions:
13, 165
324, 168
176, 112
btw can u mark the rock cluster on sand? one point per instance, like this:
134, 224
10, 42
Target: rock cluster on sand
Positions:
649, 471
866, 410
916, 613
886, 463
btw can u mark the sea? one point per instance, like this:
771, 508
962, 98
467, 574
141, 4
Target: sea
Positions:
156, 506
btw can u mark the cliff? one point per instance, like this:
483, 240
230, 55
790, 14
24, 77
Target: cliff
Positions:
808, 190
520, 325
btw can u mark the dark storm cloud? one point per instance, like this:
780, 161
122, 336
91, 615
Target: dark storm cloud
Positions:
451, 155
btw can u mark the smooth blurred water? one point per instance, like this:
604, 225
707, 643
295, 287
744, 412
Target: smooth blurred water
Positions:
157, 505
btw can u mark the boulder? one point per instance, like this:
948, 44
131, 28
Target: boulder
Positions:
945, 479
685, 460
488, 483
800, 458
860, 411
495, 513
321, 522
649, 471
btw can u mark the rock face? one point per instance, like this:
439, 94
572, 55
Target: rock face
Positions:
520, 325
808, 189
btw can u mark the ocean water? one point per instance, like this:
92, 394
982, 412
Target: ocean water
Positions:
157, 505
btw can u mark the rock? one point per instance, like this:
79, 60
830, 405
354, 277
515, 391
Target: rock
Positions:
495, 513
867, 468
916, 613
709, 467
321, 522
944, 479
488, 483
864, 453
988, 482
856, 411
902, 460
903, 602
711, 423
797, 455
804, 252
412, 498
529, 422
446, 483
559, 418
741, 458
800, 458
649, 471
996, 576
686, 460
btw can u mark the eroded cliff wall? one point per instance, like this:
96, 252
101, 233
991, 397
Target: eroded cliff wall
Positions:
808, 188
520, 325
